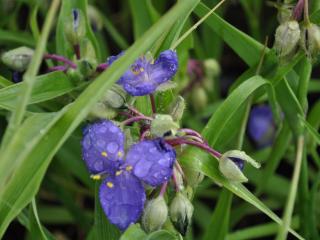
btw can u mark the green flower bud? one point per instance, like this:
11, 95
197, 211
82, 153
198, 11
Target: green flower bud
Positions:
115, 96
212, 68
87, 51
181, 210
18, 59
155, 214
284, 12
231, 165
177, 108
162, 125
102, 111
75, 27
199, 98
310, 40
287, 38
86, 67
193, 177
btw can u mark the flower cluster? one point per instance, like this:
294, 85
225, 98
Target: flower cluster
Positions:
122, 194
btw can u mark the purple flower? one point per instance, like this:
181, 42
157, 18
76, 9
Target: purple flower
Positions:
261, 126
152, 161
122, 195
122, 198
102, 147
144, 76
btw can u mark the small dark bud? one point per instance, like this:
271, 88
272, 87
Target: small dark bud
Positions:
75, 28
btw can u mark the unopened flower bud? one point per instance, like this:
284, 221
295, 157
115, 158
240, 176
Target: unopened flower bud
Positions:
231, 165
287, 38
115, 96
212, 68
177, 108
310, 40
18, 59
178, 179
155, 214
181, 210
199, 98
163, 125
75, 28
102, 111
193, 177
86, 67
87, 51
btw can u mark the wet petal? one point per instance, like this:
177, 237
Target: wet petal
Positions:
143, 77
102, 147
165, 67
122, 198
152, 161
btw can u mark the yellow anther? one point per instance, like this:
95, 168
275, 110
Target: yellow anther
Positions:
128, 168
118, 172
96, 177
120, 154
105, 154
141, 69
109, 184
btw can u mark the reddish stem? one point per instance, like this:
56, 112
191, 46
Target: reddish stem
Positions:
76, 49
135, 111
163, 189
174, 178
180, 141
297, 11
136, 119
153, 103
60, 59
101, 67
144, 134
190, 132
57, 68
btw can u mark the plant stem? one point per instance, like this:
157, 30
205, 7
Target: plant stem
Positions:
284, 228
163, 189
306, 12
180, 141
153, 103
136, 119
186, 34
60, 59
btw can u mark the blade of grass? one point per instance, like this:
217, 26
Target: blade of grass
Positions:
30, 76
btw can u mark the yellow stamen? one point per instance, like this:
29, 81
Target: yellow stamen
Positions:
128, 168
109, 184
118, 172
141, 69
120, 154
104, 154
96, 177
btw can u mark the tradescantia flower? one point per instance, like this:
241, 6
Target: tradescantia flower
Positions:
145, 75
121, 194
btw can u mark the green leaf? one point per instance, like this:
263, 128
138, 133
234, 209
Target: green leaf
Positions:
4, 82
20, 38
46, 87
134, 232
313, 132
161, 235
219, 222
201, 161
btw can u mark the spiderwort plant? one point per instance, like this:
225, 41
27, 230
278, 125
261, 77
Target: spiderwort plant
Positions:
122, 194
